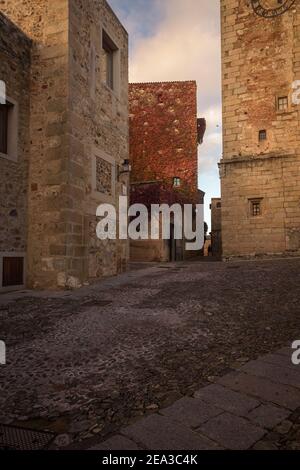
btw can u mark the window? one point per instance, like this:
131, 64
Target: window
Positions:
9, 130
219, 205
3, 128
262, 135
176, 182
93, 72
110, 50
283, 103
255, 207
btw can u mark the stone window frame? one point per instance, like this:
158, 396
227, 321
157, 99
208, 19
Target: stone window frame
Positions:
283, 94
114, 45
12, 254
101, 197
251, 202
12, 131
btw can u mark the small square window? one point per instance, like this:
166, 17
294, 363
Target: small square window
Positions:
283, 103
262, 135
176, 182
110, 50
255, 207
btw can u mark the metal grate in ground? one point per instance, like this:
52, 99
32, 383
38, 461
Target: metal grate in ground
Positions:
15, 438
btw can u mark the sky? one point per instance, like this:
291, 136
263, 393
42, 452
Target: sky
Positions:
180, 40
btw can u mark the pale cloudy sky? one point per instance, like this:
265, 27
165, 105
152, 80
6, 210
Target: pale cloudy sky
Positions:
180, 40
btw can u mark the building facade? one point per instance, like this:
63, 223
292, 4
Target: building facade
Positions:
67, 97
260, 169
164, 138
216, 227
14, 151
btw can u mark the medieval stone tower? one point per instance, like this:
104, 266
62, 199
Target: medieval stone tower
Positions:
260, 169
65, 66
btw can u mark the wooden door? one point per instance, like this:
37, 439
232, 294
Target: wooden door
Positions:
13, 272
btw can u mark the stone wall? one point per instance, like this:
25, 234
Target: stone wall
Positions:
73, 117
15, 72
260, 60
163, 134
163, 146
98, 138
46, 23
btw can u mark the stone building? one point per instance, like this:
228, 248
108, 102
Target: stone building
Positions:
164, 138
216, 227
67, 130
260, 169
14, 151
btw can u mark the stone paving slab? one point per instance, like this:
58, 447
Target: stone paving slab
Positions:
232, 432
268, 416
281, 361
227, 399
282, 395
273, 372
191, 412
116, 443
284, 352
161, 433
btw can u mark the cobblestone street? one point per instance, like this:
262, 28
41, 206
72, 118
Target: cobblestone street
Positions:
84, 364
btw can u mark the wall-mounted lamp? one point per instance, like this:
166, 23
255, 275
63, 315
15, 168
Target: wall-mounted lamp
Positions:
125, 167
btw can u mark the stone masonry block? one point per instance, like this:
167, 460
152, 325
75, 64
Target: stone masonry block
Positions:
227, 399
232, 432
161, 433
191, 411
263, 389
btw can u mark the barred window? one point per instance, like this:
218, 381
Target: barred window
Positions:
255, 207
262, 135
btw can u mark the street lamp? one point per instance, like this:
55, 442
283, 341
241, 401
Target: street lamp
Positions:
125, 168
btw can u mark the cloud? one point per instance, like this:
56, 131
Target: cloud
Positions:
184, 45
140, 17
210, 151
174, 40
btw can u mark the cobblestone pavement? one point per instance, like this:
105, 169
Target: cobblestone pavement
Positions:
242, 410
85, 364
